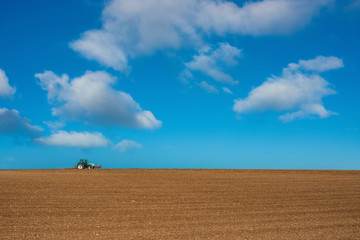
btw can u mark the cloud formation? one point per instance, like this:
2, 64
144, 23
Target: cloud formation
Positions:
127, 145
318, 64
209, 88
74, 139
5, 89
54, 125
138, 27
91, 98
211, 62
12, 124
299, 88
228, 91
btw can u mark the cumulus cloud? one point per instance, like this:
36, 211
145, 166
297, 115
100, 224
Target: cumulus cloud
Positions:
102, 47
299, 88
137, 27
5, 89
211, 61
127, 145
91, 98
12, 124
209, 88
74, 139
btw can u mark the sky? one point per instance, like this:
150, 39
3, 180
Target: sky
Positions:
270, 84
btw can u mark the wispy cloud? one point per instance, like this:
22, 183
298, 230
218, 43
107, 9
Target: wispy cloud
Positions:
185, 76
54, 125
209, 88
128, 145
318, 64
225, 89
212, 61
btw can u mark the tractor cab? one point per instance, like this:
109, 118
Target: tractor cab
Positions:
82, 164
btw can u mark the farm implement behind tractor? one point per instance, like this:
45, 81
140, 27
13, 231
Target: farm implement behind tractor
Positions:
84, 164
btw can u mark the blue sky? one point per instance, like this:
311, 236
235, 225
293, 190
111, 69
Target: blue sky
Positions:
190, 84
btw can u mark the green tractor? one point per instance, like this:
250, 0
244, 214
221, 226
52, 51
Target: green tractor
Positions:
84, 164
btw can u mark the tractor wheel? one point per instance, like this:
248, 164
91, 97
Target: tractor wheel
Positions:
80, 166
89, 167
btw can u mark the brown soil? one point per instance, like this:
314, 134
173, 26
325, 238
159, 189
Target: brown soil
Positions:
179, 204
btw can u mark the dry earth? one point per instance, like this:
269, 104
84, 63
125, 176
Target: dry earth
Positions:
179, 204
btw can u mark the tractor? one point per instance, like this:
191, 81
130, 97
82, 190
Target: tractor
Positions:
84, 164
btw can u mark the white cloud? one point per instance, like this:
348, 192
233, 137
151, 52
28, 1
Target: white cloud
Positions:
316, 109
102, 47
91, 98
260, 17
74, 139
225, 89
5, 89
319, 64
126, 145
211, 62
209, 88
12, 124
137, 27
296, 89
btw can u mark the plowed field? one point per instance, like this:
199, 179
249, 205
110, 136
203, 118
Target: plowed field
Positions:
179, 204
